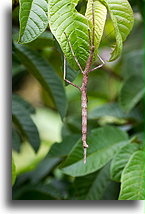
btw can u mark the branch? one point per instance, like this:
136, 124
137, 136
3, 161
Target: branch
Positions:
65, 76
99, 66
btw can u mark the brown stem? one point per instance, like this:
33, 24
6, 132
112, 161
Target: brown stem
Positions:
84, 113
85, 79
84, 88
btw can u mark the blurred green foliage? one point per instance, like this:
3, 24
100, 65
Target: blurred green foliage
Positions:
46, 129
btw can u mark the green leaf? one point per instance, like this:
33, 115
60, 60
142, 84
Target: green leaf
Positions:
43, 41
122, 18
112, 191
62, 149
133, 64
63, 17
93, 186
100, 13
16, 140
103, 145
113, 110
70, 74
25, 124
131, 92
13, 172
37, 191
43, 168
33, 17
132, 179
40, 68
54, 156
120, 160
24, 103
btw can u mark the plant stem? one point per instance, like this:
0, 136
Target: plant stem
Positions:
85, 73
84, 88
84, 113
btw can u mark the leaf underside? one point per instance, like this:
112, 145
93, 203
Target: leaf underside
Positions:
63, 17
132, 180
33, 18
122, 19
100, 13
121, 159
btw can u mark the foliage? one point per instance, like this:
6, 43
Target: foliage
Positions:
132, 178
13, 172
55, 169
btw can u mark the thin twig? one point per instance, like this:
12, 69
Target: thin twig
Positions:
73, 53
65, 76
85, 155
89, 35
99, 66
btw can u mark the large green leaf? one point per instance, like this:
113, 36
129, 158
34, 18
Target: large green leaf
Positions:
103, 144
131, 92
43, 169
33, 18
113, 110
93, 186
120, 160
40, 68
54, 156
132, 179
100, 13
62, 149
122, 18
63, 17
45, 40
25, 124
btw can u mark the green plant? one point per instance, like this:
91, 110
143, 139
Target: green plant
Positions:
114, 129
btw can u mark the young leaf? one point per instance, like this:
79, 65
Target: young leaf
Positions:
25, 124
93, 186
103, 145
40, 68
120, 160
100, 13
122, 18
33, 17
131, 92
132, 179
64, 19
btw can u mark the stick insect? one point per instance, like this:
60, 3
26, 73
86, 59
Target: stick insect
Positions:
85, 73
